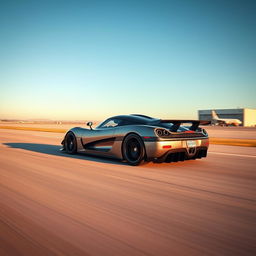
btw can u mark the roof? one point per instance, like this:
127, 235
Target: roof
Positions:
137, 118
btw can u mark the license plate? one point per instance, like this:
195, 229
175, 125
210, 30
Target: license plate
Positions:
191, 143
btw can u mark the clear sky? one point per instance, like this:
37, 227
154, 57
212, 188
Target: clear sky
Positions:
93, 59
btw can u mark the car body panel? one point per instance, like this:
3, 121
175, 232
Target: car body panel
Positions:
107, 141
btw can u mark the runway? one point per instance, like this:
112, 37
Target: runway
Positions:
56, 204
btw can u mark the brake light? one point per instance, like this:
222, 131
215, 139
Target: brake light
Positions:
167, 146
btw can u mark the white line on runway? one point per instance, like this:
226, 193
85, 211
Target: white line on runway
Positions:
228, 154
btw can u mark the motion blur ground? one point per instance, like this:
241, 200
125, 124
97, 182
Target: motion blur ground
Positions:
57, 204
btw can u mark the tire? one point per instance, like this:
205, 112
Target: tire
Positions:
133, 149
70, 143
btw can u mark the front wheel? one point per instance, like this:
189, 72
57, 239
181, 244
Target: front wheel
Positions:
133, 149
70, 143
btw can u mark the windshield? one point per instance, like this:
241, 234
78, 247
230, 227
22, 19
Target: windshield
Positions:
113, 122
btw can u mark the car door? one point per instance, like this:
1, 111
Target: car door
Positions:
101, 139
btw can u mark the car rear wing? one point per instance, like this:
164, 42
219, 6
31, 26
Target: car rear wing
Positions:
177, 123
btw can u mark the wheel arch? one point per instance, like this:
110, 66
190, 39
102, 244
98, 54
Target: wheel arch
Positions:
135, 133
70, 132
65, 136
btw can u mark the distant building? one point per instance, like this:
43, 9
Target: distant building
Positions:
246, 115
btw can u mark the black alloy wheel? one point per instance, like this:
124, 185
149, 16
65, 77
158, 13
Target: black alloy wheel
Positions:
133, 149
70, 143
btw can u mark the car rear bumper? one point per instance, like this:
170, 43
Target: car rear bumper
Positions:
176, 150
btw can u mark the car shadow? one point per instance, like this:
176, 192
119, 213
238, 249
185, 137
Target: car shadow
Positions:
55, 150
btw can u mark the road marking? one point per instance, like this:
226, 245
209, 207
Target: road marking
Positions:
228, 154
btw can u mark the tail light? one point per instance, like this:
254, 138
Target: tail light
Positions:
166, 133
204, 132
162, 132
159, 132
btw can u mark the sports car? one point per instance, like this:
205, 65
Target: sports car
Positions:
138, 138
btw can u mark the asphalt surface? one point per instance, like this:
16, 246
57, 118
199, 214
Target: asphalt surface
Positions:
56, 204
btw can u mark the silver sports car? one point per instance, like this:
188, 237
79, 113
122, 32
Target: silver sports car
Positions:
138, 138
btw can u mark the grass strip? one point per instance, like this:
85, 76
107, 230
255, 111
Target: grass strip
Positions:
220, 141
234, 142
34, 129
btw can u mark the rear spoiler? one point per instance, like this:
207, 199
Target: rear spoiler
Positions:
176, 123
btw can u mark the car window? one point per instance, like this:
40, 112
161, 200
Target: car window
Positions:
110, 123
169, 127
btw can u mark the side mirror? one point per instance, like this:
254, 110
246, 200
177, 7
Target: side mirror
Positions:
90, 124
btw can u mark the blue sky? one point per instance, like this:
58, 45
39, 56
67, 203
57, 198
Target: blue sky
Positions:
94, 59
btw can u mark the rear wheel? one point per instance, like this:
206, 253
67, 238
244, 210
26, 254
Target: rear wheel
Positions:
133, 149
70, 143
